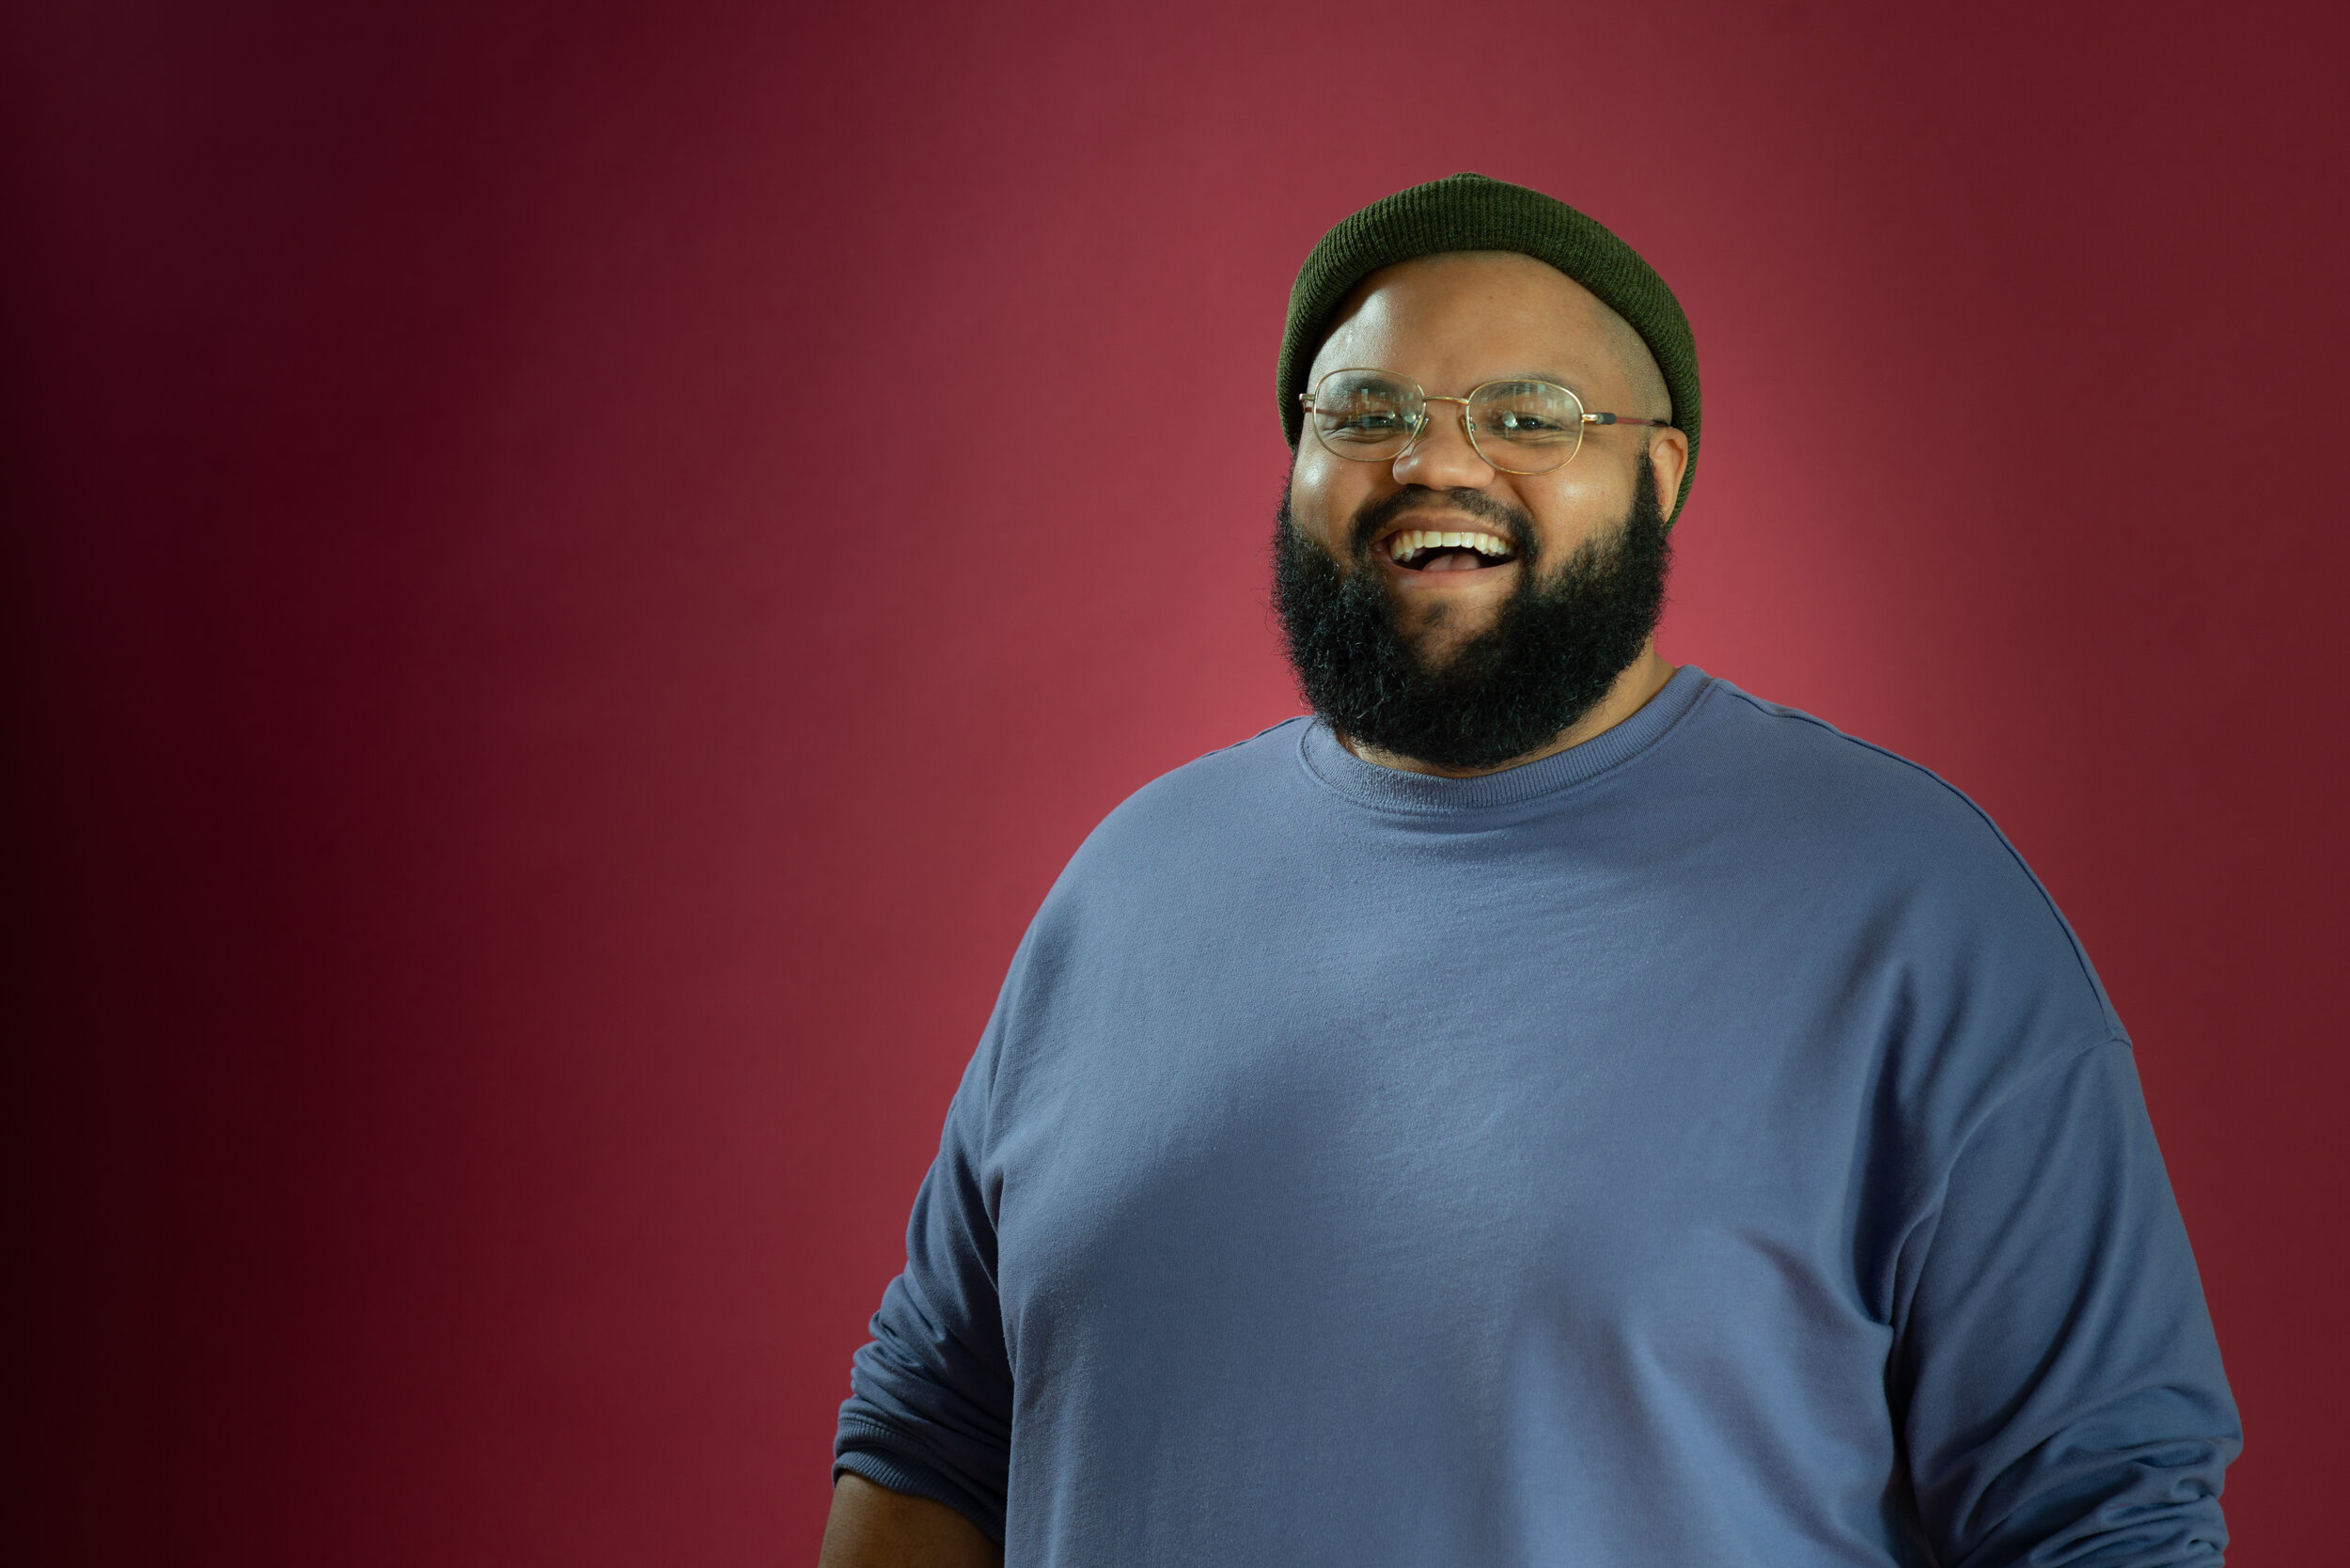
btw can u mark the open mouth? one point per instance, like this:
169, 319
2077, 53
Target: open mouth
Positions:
1429, 550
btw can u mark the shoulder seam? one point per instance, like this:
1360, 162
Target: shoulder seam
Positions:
2072, 941
2056, 1066
1928, 1209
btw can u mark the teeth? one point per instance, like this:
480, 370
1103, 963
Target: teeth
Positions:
1403, 544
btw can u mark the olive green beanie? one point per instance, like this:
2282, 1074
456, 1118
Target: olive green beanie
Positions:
1468, 212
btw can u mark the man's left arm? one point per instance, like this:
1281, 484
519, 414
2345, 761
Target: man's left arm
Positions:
2056, 1374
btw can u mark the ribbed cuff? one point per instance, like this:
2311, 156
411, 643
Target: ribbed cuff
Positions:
886, 1468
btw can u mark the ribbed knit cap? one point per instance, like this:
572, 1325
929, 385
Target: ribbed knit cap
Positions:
1468, 212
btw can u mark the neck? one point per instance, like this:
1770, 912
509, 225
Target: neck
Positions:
1642, 678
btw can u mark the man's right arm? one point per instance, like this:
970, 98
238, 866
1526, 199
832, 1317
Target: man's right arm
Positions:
872, 1527
927, 1428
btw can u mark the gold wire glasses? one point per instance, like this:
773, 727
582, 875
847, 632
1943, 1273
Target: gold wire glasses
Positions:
1375, 417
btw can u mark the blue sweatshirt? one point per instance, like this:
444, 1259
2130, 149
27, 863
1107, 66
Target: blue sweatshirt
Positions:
1707, 1146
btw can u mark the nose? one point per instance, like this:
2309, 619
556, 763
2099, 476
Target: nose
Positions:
1442, 457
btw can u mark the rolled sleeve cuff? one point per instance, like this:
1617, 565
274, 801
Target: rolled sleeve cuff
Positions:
869, 1450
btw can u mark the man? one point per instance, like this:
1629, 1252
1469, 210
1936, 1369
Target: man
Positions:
1549, 1107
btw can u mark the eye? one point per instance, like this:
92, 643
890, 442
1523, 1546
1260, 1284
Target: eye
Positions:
1529, 414
1371, 423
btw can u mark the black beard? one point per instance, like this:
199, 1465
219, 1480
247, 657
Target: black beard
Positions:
1557, 647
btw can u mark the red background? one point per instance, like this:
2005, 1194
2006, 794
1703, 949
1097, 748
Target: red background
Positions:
523, 798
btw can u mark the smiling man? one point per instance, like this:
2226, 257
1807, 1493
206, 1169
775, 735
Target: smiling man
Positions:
1459, 595
1547, 1106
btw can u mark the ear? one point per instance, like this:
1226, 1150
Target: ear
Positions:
1669, 457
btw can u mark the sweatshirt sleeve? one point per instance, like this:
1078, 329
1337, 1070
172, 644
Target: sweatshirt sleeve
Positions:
930, 1407
2056, 1375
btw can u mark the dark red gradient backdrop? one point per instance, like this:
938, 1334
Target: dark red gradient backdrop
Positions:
522, 790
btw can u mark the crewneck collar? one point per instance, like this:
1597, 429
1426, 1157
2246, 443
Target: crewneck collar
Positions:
1391, 790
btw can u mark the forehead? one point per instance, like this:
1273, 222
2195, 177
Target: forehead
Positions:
1472, 316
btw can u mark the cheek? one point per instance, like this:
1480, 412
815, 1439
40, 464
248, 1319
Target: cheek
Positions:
1321, 497
1573, 508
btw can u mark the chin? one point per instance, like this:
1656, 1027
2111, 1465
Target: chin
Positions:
1436, 645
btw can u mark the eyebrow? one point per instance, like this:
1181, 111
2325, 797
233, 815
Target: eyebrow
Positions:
1551, 376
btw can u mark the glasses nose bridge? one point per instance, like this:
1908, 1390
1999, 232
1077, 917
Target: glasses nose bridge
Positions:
1427, 418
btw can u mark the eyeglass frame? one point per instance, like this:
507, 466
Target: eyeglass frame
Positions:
1469, 426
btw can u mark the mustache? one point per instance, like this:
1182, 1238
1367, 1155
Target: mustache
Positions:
1499, 517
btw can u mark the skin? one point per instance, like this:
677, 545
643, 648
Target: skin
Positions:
872, 1527
1448, 323
1451, 322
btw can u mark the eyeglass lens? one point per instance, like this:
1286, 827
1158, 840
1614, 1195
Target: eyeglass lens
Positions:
1520, 427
